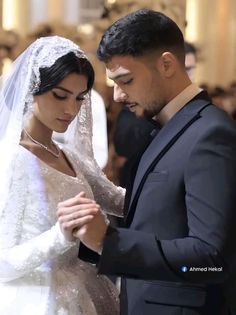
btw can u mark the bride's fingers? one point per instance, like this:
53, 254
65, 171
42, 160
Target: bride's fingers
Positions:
78, 199
77, 223
82, 221
81, 194
76, 215
62, 211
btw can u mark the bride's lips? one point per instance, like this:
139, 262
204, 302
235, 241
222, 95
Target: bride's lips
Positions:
65, 120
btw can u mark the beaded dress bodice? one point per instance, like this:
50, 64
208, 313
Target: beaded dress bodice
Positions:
39, 270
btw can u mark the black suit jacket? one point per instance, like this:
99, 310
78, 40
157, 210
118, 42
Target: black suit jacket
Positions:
181, 214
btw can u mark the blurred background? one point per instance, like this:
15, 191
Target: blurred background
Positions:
208, 24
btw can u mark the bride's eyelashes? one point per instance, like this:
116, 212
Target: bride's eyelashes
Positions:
80, 98
64, 97
59, 97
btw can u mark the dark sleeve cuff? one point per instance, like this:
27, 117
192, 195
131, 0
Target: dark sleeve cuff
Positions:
88, 255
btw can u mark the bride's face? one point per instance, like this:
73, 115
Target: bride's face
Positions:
57, 108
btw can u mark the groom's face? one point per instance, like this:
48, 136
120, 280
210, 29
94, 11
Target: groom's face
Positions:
137, 83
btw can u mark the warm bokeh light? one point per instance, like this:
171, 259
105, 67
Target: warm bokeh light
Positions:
111, 1
8, 16
86, 29
191, 32
7, 63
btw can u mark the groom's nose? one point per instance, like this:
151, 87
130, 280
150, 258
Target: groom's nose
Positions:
118, 94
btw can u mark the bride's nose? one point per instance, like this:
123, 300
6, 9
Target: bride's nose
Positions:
72, 107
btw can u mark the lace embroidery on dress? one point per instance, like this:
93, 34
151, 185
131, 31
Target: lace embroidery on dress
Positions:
109, 196
41, 263
25, 248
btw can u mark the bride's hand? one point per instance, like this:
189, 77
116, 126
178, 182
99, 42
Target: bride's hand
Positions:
74, 213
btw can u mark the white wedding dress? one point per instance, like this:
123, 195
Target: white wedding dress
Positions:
40, 273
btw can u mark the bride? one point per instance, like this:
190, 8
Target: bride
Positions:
48, 87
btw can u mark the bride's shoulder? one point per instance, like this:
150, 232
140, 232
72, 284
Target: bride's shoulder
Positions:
24, 160
23, 154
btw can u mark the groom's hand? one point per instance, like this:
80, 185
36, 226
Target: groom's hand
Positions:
92, 234
74, 213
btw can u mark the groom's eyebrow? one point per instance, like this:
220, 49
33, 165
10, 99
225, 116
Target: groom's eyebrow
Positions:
119, 76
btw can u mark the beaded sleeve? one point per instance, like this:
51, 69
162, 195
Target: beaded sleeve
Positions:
109, 196
19, 255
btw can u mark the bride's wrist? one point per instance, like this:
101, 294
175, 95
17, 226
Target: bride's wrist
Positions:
66, 238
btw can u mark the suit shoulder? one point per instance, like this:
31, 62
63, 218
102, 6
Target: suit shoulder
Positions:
217, 116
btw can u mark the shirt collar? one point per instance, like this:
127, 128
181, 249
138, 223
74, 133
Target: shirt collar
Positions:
177, 103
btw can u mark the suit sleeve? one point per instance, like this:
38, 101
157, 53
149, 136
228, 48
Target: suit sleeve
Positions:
210, 181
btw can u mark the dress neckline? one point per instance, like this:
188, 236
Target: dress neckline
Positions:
45, 165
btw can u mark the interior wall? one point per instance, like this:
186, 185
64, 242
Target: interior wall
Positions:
211, 26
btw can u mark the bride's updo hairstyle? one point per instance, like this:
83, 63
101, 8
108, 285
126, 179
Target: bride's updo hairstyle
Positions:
65, 65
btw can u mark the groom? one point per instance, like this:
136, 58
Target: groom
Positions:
177, 247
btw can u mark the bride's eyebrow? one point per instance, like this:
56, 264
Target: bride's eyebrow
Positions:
68, 91
83, 92
63, 89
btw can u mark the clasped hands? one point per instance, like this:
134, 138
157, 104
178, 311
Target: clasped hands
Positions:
81, 217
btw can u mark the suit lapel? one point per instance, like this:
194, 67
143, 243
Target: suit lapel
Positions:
162, 143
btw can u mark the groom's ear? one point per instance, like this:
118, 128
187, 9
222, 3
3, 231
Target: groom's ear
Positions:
166, 64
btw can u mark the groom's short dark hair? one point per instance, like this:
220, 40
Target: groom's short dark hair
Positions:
139, 33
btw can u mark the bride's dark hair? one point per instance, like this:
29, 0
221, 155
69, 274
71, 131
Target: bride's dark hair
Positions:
65, 65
